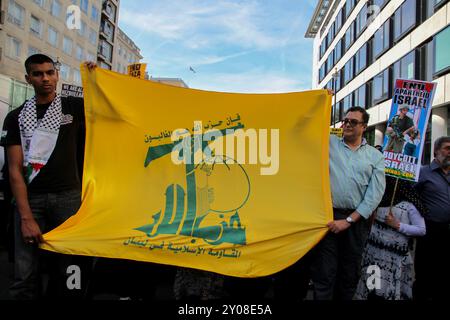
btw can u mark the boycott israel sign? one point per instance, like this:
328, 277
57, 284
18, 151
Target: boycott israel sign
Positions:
405, 133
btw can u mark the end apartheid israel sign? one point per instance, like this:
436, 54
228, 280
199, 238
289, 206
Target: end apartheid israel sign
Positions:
406, 128
237, 184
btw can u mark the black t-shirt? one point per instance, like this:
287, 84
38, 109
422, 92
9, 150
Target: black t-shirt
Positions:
63, 170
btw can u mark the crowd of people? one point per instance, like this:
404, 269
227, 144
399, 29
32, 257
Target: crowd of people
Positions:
403, 228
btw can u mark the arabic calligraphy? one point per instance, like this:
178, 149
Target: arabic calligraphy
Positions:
194, 220
177, 249
209, 125
185, 213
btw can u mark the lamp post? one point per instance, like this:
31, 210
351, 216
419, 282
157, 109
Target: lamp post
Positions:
335, 76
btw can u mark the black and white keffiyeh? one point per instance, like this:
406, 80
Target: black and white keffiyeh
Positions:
38, 136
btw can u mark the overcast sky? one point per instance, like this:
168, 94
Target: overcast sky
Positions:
233, 46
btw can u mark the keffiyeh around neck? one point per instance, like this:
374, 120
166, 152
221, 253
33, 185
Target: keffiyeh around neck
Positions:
38, 136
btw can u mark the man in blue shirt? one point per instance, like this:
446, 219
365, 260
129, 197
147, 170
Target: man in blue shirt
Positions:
357, 186
433, 250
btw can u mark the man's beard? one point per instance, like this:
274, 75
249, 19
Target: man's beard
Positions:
445, 162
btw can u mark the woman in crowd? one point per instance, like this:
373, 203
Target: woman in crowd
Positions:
389, 244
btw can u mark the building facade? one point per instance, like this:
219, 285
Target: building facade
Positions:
109, 25
361, 47
41, 26
69, 31
126, 52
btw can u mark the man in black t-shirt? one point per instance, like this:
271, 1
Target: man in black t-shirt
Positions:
44, 141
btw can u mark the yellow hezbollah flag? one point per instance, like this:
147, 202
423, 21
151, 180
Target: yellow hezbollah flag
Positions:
236, 184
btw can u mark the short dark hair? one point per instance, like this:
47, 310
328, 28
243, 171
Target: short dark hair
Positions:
366, 116
38, 58
439, 142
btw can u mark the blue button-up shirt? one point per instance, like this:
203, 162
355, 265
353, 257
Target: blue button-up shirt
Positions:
357, 176
434, 189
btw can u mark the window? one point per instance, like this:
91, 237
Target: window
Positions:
369, 86
64, 71
323, 47
349, 36
92, 36
404, 19
338, 22
330, 35
110, 9
361, 59
56, 8
67, 45
79, 53
438, 3
94, 13
347, 103
19, 92
32, 50
104, 65
35, 26
426, 62
52, 36
106, 50
380, 3
15, 13
338, 51
90, 56
349, 6
108, 30
441, 52
448, 122
322, 71
76, 76
339, 80
381, 39
361, 20
14, 47
84, 5
405, 67
380, 87
348, 71
369, 51
337, 113
330, 61
40, 3
329, 85
82, 30
360, 97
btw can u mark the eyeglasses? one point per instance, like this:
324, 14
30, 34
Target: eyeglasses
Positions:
352, 122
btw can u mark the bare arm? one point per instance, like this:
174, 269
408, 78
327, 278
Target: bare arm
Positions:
30, 229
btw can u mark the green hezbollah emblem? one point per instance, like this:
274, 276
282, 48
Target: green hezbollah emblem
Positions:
204, 217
